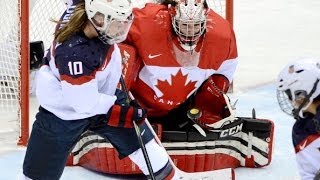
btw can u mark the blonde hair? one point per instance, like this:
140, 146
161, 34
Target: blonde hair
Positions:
76, 23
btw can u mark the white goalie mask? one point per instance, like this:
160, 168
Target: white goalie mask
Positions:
111, 18
189, 22
298, 85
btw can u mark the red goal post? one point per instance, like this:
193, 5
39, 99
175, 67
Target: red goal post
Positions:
23, 21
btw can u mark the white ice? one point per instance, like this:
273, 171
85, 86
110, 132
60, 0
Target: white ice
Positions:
269, 33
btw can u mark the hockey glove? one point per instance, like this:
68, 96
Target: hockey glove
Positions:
121, 97
210, 101
123, 116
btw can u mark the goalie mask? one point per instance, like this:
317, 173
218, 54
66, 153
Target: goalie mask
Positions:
111, 18
298, 85
189, 22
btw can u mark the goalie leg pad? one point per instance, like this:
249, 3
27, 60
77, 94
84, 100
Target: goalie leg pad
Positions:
259, 135
191, 152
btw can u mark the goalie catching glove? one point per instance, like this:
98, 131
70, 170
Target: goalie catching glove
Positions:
211, 101
124, 115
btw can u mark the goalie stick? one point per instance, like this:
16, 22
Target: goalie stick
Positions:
225, 174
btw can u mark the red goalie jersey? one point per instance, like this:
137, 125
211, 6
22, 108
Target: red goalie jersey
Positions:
168, 75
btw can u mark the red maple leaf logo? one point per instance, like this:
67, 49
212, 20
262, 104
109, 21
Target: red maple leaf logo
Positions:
178, 86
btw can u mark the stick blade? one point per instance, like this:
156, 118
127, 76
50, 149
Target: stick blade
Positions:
225, 174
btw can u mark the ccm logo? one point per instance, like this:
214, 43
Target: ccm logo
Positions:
231, 131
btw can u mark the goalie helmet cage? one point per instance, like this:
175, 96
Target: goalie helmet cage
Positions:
24, 21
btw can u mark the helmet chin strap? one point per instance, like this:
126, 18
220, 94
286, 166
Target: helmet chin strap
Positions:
104, 38
296, 112
100, 35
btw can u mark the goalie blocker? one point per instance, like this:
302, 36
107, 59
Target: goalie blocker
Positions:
246, 142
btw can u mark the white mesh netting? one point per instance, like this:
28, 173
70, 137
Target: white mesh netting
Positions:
9, 70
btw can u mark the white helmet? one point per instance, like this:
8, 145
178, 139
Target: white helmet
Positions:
189, 22
111, 18
298, 85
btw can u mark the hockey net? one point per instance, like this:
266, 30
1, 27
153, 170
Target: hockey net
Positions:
24, 21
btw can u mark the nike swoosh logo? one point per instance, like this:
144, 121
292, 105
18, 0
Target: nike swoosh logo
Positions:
154, 56
303, 145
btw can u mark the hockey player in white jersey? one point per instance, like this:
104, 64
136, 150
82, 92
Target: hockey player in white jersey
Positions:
76, 90
299, 95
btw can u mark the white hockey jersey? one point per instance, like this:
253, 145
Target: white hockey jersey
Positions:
80, 78
306, 141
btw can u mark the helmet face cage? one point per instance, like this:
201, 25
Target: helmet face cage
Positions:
298, 86
111, 31
112, 19
285, 102
189, 22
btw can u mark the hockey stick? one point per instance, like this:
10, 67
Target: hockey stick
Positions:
225, 174
137, 129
